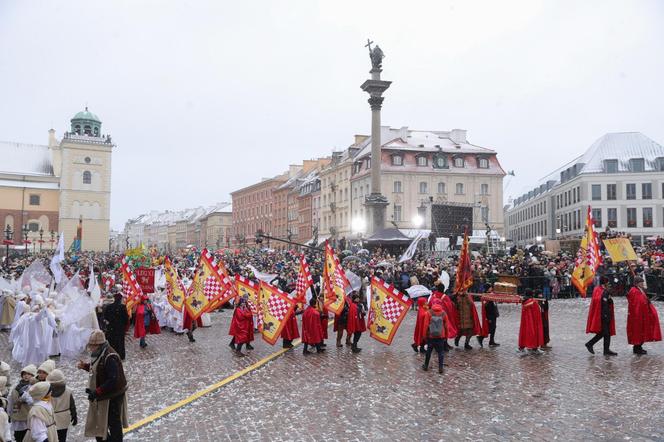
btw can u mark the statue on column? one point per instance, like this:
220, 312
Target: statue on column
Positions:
376, 55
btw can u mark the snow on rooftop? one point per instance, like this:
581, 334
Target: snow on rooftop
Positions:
25, 159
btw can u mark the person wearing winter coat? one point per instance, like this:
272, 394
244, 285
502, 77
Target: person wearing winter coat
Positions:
64, 406
20, 402
41, 423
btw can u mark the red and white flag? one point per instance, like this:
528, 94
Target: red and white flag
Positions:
304, 281
131, 290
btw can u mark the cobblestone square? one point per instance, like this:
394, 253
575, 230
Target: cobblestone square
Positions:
382, 393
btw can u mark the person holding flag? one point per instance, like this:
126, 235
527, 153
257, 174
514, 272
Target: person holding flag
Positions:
601, 318
312, 332
469, 321
356, 324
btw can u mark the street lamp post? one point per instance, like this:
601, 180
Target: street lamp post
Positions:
25, 236
52, 238
8, 241
41, 239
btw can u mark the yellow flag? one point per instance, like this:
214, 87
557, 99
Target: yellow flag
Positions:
620, 249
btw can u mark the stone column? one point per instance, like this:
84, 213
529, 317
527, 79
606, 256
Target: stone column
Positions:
376, 201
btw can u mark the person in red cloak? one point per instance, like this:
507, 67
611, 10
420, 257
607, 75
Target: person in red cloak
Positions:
601, 319
290, 331
469, 321
531, 334
145, 321
242, 327
320, 305
189, 325
356, 323
642, 318
452, 314
340, 322
312, 331
420, 333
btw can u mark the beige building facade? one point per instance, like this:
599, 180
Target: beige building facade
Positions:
62, 185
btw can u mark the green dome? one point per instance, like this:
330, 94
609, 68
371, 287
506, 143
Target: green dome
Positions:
86, 123
86, 115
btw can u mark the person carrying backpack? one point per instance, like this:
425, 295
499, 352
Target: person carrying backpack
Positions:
436, 326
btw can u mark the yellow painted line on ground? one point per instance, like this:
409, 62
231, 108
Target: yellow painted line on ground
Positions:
209, 389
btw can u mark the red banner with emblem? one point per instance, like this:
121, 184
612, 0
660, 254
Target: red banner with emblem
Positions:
209, 287
275, 307
145, 278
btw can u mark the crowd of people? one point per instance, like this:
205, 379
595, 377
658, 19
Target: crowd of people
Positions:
84, 312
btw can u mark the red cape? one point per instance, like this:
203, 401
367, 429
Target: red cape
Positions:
531, 334
242, 326
642, 319
420, 333
290, 330
186, 320
312, 331
452, 314
139, 322
484, 332
594, 323
355, 322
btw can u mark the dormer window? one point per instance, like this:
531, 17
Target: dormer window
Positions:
483, 163
440, 162
397, 160
458, 162
611, 166
637, 165
659, 164
422, 161
368, 163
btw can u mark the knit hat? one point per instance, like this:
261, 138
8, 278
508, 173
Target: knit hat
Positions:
56, 377
30, 369
47, 366
97, 338
39, 390
5, 369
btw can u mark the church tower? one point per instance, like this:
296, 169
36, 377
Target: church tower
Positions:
83, 159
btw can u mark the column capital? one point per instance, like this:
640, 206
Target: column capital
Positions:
376, 102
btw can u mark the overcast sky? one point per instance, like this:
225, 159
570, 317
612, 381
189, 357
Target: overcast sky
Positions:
203, 98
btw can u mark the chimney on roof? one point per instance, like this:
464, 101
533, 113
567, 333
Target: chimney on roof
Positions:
458, 136
359, 139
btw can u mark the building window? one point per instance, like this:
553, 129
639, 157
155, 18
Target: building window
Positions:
611, 166
459, 188
34, 200
636, 165
368, 165
646, 191
422, 161
596, 192
484, 189
597, 216
87, 160
397, 187
441, 187
33, 227
647, 217
87, 177
397, 160
483, 163
397, 213
423, 187
631, 217
458, 162
610, 191
631, 191
440, 162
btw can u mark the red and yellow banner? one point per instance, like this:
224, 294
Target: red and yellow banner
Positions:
588, 257
387, 309
245, 287
334, 282
620, 249
210, 287
131, 290
275, 307
304, 280
231, 287
175, 291
464, 274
